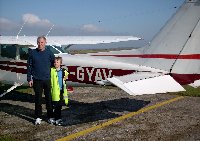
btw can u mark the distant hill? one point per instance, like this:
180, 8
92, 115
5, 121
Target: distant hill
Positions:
97, 50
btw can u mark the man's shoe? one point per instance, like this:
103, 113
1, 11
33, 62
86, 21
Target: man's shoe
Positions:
38, 121
51, 121
59, 122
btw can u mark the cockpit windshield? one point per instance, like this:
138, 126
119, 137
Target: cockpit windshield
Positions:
21, 52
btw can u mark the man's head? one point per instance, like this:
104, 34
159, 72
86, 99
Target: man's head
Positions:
57, 62
41, 42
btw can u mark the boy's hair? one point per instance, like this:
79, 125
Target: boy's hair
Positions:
59, 58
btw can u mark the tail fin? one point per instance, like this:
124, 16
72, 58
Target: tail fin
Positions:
177, 31
176, 46
178, 40
175, 49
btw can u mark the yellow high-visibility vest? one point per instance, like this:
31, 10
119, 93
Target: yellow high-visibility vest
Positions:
55, 89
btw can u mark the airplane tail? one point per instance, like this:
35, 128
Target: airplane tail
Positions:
175, 49
177, 45
175, 52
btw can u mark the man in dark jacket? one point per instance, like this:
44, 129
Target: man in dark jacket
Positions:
38, 76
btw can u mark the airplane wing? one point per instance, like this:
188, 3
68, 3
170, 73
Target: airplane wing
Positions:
65, 40
146, 83
13, 40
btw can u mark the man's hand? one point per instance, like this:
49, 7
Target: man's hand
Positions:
30, 83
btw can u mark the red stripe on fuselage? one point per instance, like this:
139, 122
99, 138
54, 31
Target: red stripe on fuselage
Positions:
88, 75
161, 56
13, 63
13, 69
185, 79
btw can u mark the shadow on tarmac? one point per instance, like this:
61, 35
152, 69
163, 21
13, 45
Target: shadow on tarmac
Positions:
77, 112
80, 112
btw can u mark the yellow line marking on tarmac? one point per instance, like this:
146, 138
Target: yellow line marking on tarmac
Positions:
91, 129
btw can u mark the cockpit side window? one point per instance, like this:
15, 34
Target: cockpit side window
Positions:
23, 52
8, 51
55, 51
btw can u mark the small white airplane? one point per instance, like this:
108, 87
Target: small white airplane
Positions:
172, 59
14, 53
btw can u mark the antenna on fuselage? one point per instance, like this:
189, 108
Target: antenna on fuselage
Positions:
21, 29
49, 30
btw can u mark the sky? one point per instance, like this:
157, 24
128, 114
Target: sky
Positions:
141, 18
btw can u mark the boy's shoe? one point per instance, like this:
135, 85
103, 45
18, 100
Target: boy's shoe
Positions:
59, 122
38, 121
51, 121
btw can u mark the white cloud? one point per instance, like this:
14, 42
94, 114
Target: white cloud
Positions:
91, 28
4, 21
34, 25
38, 26
32, 19
7, 24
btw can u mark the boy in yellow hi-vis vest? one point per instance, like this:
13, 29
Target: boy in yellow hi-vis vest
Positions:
58, 90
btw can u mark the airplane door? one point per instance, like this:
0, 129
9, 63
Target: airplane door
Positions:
8, 63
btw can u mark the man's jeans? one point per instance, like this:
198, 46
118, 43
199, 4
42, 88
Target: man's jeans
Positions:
39, 86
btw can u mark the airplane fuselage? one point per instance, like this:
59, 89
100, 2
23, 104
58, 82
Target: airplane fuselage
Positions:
16, 71
84, 71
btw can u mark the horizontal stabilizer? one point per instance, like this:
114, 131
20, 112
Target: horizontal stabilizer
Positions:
148, 83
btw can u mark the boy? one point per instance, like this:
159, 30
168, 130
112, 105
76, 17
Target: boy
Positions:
58, 89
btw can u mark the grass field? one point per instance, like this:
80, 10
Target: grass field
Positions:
6, 138
190, 91
97, 50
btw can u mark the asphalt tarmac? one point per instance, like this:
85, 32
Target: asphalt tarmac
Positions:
104, 114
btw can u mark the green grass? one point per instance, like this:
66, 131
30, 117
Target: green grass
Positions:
98, 50
25, 89
190, 91
22, 89
6, 138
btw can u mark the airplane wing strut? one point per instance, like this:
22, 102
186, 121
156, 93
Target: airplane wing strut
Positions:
11, 88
